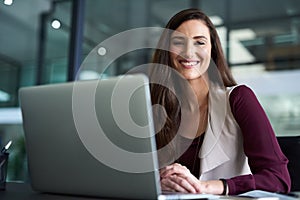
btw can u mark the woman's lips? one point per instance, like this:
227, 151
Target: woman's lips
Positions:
188, 64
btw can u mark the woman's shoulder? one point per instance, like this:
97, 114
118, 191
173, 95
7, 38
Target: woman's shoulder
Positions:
240, 89
241, 93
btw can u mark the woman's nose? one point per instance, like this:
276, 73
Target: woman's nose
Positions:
189, 50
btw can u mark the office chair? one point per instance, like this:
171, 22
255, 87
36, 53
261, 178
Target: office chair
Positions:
290, 146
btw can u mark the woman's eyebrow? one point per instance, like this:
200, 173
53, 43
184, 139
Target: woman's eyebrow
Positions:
183, 37
178, 37
200, 37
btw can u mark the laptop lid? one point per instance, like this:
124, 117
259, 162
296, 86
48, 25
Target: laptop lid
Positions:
92, 138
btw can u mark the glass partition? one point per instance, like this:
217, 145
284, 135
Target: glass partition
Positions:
9, 82
56, 44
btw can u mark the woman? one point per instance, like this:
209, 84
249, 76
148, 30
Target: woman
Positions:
233, 148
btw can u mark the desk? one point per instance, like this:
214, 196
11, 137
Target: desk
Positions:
23, 191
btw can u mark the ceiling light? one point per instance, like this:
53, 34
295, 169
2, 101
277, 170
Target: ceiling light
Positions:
55, 24
101, 51
8, 2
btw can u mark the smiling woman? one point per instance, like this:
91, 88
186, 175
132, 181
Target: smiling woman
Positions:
233, 148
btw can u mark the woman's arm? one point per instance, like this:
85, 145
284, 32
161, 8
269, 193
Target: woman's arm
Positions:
266, 160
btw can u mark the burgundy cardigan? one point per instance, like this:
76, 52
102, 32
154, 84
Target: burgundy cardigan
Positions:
267, 162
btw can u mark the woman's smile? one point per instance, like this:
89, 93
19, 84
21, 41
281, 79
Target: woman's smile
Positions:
188, 64
190, 49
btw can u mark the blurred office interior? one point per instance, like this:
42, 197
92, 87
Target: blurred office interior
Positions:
44, 41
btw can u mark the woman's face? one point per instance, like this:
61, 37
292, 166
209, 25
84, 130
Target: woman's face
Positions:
190, 49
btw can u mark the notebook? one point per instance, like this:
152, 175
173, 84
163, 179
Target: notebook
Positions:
93, 138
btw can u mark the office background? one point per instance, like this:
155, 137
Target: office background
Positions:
44, 41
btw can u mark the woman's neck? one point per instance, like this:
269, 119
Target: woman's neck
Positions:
199, 111
201, 89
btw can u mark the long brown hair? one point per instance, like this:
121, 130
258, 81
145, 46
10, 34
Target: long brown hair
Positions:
162, 95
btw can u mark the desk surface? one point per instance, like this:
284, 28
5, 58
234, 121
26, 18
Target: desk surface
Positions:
23, 191
18, 191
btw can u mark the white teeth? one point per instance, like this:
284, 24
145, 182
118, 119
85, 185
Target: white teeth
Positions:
189, 63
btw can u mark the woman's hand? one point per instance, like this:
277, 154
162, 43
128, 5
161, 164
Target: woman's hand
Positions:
177, 178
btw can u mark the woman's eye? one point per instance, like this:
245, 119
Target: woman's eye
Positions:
177, 42
200, 43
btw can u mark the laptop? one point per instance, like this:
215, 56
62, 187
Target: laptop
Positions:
93, 138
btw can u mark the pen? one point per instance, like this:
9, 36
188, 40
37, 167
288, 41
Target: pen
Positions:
4, 149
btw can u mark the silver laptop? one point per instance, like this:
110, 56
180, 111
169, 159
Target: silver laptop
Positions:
93, 138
